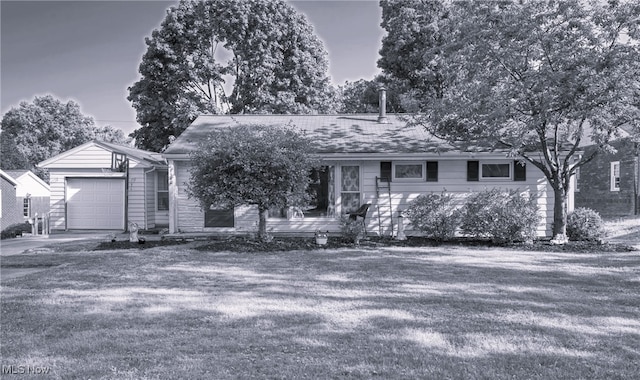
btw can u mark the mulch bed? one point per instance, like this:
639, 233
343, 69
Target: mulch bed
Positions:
280, 244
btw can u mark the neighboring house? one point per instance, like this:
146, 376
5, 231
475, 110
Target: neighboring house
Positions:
610, 183
371, 159
102, 186
32, 193
10, 212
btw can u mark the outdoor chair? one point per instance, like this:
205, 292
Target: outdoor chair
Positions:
362, 213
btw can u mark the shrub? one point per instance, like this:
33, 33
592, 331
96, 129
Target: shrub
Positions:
502, 216
16, 230
352, 230
435, 215
585, 224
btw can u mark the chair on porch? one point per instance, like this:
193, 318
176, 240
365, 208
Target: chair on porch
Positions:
362, 213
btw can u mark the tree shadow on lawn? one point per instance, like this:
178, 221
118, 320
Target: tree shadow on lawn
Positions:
392, 313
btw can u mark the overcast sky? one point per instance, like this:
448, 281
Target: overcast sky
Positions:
89, 51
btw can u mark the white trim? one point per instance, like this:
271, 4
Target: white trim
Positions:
156, 191
613, 177
338, 174
422, 164
481, 176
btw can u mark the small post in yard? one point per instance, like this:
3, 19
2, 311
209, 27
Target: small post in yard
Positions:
34, 226
400, 235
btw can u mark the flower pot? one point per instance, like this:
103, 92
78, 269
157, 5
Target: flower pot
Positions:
321, 240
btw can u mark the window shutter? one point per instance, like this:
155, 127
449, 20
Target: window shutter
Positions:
519, 171
432, 171
385, 171
473, 170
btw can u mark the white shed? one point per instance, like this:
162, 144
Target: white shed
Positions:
102, 186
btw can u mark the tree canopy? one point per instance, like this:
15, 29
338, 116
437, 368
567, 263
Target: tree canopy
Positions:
264, 49
34, 132
362, 96
257, 165
540, 78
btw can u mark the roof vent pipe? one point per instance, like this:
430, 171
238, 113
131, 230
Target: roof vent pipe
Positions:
382, 105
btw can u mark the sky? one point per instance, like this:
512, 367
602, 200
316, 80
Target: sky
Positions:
89, 51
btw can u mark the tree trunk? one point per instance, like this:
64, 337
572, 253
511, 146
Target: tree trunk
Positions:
559, 215
262, 222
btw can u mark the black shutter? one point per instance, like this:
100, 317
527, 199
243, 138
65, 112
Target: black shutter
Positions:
432, 171
519, 171
473, 170
385, 171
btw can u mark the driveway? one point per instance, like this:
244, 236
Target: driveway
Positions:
9, 247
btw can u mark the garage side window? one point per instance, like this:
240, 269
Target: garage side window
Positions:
162, 191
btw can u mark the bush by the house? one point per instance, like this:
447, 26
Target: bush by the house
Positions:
16, 230
351, 229
502, 216
436, 215
585, 224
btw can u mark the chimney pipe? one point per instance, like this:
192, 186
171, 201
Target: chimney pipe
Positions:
382, 105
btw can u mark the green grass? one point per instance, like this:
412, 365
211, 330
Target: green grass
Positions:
388, 313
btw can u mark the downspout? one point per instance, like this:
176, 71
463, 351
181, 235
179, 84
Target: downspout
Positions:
126, 196
636, 179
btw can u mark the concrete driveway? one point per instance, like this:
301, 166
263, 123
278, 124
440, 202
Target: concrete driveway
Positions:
19, 245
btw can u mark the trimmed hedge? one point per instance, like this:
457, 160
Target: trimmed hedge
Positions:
435, 215
585, 224
502, 216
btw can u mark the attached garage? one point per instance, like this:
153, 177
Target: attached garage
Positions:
106, 186
95, 203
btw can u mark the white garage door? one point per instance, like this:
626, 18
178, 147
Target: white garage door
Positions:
95, 203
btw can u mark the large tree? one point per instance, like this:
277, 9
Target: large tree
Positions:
33, 132
362, 96
540, 78
267, 52
264, 166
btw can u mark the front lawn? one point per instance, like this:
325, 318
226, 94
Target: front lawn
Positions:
386, 312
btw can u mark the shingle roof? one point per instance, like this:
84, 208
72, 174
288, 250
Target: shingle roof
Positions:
16, 173
139, 154
352, 133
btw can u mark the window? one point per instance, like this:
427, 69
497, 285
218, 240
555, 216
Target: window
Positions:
615, 176
320, 194
162, 191
432, 171
409, 171
26, 202
496, 171
219, 218
577, 180
350, 188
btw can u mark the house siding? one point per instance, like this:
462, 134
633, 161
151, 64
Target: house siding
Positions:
136, 199
594, 187
150, 197
452, 178
11, 210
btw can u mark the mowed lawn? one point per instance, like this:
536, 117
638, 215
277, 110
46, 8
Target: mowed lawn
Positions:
391, 313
